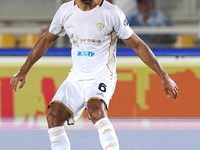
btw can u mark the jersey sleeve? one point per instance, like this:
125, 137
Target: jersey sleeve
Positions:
56, 26
121, 25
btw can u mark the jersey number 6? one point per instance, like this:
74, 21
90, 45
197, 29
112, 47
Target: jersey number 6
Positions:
102, 87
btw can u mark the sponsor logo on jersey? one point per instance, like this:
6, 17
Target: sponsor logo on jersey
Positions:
70, 26
126, 22
71, 35
101, 94
100, 26
75, 39
90, 41
85, 53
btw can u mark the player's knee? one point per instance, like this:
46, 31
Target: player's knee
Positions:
50, 120
96, 115
54, 120
97, 110
57, 115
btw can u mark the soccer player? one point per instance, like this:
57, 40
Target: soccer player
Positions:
93, 27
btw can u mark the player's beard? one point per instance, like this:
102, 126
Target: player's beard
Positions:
87, 1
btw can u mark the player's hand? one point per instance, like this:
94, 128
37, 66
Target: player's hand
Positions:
16, 78
169, 85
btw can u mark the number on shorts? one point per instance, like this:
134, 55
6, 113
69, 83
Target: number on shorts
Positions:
102, 87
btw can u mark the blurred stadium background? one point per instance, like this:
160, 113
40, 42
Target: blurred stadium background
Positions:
23, 17
140, 112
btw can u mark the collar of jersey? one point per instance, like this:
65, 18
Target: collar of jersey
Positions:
100, 2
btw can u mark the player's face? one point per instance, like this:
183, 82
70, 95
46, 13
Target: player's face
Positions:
87, 1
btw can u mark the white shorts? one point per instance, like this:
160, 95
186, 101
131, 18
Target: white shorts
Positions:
75, 94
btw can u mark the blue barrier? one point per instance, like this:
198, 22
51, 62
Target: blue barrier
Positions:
120, 52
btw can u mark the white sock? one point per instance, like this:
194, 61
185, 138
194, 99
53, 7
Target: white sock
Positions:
58, 138
107, 135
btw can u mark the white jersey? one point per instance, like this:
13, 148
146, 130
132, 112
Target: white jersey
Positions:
93, 35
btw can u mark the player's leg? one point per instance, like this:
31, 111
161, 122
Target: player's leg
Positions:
56, 117
98, 114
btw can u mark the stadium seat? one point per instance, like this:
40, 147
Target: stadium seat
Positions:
28, 40
185, 41
7, 41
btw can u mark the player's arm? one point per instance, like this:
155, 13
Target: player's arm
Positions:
146, 55
41, 46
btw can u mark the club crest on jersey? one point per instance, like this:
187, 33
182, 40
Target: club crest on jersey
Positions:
100, 26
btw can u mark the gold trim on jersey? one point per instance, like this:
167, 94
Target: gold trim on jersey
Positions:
61, 30
109, 56
100, 2
72, 115
97, 98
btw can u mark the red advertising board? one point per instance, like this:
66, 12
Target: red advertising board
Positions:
138, 92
